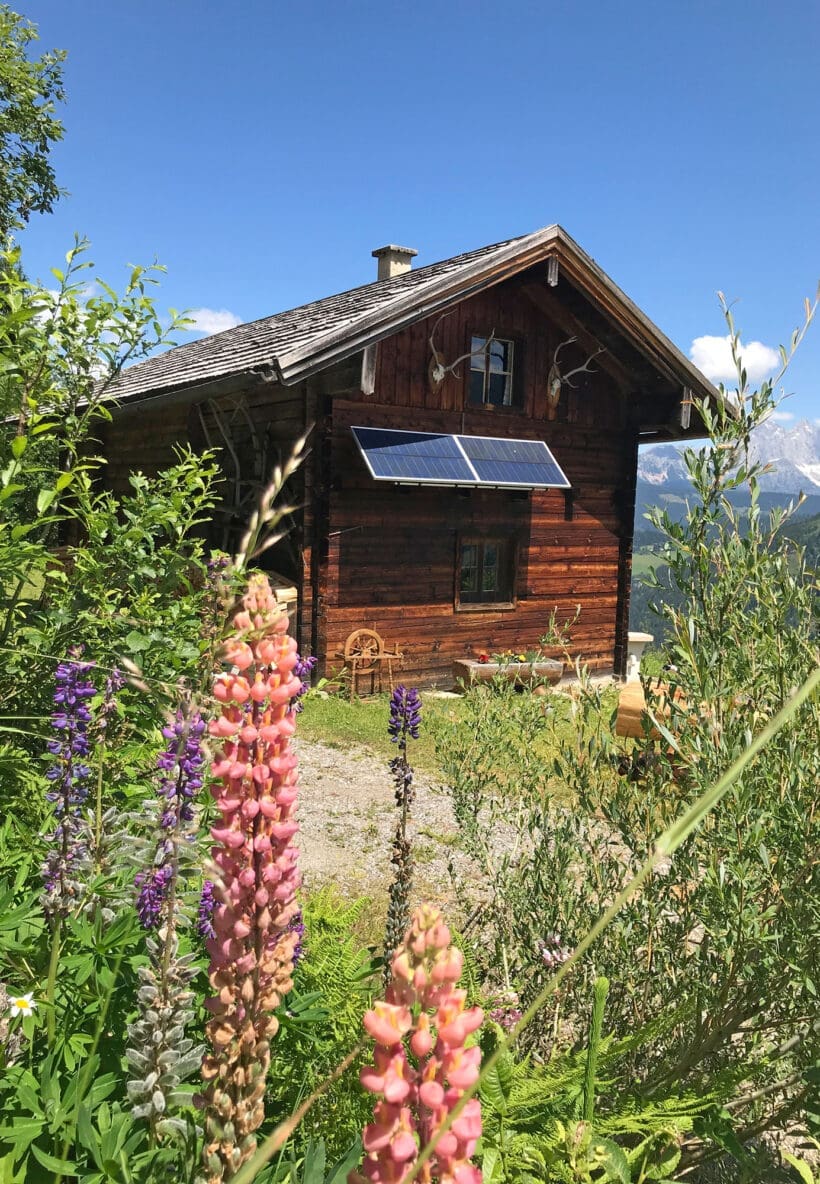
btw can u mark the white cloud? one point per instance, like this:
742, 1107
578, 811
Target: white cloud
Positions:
781, 416
713, 357
212, 320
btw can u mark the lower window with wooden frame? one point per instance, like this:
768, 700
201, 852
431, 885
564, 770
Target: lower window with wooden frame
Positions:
486, 573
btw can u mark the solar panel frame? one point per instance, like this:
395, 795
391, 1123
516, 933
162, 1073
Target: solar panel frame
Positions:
448, 462
504, 462
445, 464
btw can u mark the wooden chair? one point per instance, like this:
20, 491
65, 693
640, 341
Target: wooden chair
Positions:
365, 656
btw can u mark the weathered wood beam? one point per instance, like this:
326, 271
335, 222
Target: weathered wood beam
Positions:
553, 308
247, 381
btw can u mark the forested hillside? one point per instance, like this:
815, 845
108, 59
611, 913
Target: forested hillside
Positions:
805, 532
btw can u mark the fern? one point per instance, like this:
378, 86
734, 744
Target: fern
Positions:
532, 1119
334, 984
335, 964
471, 978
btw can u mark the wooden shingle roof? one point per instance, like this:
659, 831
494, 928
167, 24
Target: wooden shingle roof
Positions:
292, 345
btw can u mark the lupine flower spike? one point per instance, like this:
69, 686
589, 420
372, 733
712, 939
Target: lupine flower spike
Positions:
553, 952
255, 875
67, 862
422, 1064
159, 1053
405, 719
181, 762
303, 670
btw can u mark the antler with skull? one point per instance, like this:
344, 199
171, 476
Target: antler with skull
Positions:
555, 379
438, 369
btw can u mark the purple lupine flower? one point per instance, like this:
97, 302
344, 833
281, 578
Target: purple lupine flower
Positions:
68, 775
505, 1010
181, 762
297, 925
405, 714
205, 911
159, 1054
405, 718
303, 670
182, 759
153, 889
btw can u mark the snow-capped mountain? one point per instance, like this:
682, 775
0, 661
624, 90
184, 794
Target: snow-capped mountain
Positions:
793, 452
661, 464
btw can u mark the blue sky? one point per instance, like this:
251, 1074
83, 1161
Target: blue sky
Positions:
261, 149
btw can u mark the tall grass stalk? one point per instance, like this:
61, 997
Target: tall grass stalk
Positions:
601, 991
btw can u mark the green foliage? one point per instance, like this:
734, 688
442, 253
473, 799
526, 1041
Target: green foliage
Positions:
720, 949
29, 90
805, 532
334, 984
133, 588
59, 353
535, 1128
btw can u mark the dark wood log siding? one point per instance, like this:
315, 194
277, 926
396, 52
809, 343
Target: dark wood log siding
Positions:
392, 552
143, 438
142, 441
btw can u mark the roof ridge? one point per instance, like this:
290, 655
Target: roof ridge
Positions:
294, 343
380, 285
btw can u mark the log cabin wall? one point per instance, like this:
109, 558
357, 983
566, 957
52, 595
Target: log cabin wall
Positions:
143, 438
368, 553
392, 552
142, 441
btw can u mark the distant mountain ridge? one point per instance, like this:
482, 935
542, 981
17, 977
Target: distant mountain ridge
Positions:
794, 453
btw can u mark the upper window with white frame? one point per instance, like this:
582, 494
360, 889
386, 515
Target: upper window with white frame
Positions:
491, 371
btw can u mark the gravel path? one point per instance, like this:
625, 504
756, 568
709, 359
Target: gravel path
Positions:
348, 816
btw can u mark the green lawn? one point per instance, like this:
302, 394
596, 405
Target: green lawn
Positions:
338, 722
335, 721
644, 561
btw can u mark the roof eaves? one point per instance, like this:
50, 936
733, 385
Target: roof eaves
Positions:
583, 268
514, 257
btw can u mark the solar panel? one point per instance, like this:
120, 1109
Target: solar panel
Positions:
526, 463
413, 456
435, 459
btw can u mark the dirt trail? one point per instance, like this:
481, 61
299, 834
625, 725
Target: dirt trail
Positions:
348, 816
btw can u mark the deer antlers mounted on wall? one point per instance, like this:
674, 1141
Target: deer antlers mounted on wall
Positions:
555, 379
438, 369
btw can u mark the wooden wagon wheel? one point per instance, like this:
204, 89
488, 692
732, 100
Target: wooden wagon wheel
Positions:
366, 647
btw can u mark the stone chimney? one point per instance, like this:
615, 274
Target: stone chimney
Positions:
393, 260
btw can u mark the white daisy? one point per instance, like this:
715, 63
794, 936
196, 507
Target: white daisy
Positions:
22, 1004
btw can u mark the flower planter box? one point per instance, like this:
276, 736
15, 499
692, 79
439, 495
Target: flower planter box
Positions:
545, 670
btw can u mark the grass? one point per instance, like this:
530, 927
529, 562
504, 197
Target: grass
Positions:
645, 561
336, 721
341, 724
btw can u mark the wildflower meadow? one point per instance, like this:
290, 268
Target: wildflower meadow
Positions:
616, 981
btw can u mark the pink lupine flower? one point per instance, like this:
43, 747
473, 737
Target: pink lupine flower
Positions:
421, 1066
255, 876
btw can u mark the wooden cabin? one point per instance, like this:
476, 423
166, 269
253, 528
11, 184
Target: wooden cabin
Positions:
524, 341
